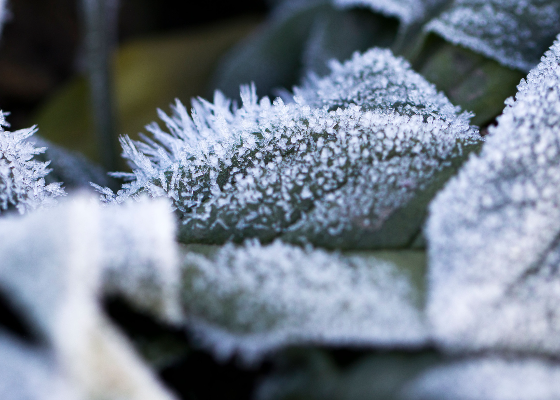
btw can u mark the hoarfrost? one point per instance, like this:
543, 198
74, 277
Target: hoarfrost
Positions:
254, 299
514, 33
22, 179
494, 230
378, 80
489, 378
258, 170
52, 271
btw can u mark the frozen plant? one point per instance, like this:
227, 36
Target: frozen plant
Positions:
253, 299
356, 175
22, 179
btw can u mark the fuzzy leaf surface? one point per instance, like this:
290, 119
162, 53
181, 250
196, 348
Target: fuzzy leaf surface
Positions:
494, 230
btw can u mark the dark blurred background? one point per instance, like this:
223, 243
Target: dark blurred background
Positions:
41, 44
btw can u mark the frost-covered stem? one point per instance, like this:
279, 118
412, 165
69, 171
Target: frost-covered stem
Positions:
100, 20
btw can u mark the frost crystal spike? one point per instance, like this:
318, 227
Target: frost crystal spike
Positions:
22, 183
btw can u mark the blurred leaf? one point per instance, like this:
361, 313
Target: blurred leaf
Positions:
297, 40
254, 299
514, 33
494, 231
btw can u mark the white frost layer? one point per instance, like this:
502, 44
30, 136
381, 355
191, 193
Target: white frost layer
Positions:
493, 233
489, 379
378, 80
22, 180
407, 11
253, 299
52, 269
514, 33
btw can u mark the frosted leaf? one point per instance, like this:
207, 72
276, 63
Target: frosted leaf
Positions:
514, 33
493, 231
489, 378
378, 80
22, 179
408, 11
4, 13
254, 299
26, 373
305, 173
52, 270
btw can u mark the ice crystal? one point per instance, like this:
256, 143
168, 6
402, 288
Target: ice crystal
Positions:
494, 231
53, 268
256, 298
408, 12
22, 179
302, 172
514, 33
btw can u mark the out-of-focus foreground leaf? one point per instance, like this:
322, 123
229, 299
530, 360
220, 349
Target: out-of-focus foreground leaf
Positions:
253, 299
55, 265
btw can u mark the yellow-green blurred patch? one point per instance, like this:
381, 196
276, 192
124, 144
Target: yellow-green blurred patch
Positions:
149, 73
